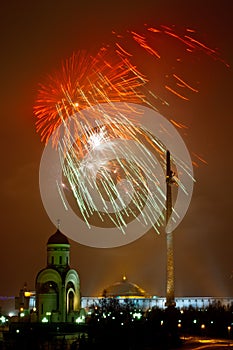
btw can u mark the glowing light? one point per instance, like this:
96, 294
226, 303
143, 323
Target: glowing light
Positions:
137, 315
3, 319
29, 294
97, 138
80, 319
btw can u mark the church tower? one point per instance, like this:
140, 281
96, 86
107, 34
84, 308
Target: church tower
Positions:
57, 285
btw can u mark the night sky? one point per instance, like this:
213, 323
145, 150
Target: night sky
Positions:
35, 37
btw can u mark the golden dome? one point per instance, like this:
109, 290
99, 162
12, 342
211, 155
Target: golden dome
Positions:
124, 289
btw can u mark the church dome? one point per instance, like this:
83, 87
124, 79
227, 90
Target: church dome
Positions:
58, 238
124, 289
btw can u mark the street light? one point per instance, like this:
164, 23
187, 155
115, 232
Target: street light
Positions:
229, 332
49, 315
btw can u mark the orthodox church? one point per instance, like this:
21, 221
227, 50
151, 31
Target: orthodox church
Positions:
57, 285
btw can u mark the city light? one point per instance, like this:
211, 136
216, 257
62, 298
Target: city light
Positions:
3, 319
80, 319
137, 315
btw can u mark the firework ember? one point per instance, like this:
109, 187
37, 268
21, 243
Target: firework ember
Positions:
184, 49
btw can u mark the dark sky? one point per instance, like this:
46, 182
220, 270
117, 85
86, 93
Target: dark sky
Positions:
35, 37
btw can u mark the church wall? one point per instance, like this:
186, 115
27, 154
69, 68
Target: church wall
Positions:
72, 283
58, 255
47, 304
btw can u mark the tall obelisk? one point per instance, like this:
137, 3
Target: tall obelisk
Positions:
170, 287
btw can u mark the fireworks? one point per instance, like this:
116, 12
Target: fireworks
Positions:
170, 53
82, 82
112, 174
100, 113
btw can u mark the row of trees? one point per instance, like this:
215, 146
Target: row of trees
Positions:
115, 325
155, 328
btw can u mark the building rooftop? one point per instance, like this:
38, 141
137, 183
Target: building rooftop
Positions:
58, 238
124, 289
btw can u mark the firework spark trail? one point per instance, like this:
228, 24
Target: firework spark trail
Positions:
148, 39
141, 40
176, 93
61, 195
184, 83
178, 125
200, 158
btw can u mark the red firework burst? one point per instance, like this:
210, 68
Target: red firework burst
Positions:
84, 81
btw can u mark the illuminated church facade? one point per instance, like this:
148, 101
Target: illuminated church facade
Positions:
57, 285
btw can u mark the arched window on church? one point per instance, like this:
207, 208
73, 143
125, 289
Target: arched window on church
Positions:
49, 293
70, 301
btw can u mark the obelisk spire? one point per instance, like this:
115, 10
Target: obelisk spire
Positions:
170, 287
